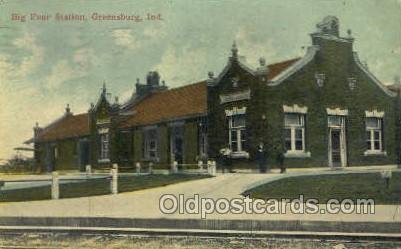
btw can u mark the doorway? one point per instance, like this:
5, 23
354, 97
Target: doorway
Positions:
337, 151
83, 154
177, 145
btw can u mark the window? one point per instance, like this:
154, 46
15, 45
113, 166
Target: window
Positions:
374, 134
104, 146
237, 132
151, 144
294, 132
202, 139
335, 120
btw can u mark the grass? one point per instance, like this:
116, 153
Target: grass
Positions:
95, 187
339, 186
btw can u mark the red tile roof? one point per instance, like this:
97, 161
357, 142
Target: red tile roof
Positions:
176, 103
181, 102
276, 68
68, 126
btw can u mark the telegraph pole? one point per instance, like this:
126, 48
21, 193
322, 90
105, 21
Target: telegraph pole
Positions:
397, 115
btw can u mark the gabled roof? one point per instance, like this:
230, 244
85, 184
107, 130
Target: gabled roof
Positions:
69, 126
276, 68
295, 66
176, 103
169, 105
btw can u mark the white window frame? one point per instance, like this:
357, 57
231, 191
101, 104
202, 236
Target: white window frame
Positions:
104, 146
230, 114
379, 115
372, 131
293, 128
301, 111
150, 152
238, 131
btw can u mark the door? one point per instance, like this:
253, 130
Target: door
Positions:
83, 154
178, 150
51, 158
336, 147
177, 145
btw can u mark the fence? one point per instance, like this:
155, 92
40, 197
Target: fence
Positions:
200, 168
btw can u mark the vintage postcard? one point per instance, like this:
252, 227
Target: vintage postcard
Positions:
200, 124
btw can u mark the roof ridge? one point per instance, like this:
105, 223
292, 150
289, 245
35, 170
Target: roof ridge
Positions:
284, 61
180, 87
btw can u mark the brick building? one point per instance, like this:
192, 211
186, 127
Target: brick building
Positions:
324, 109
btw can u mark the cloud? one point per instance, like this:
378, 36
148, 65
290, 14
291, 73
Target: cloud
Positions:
85, 57
61, 72
124, 38
397, 50
155, 32
253, 49
180, 66
16, 71
32, 62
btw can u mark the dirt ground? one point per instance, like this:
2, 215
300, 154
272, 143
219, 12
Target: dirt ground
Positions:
47, 241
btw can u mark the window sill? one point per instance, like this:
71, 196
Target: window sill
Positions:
151, 159
103, 160
375, 153
297, 154
239, 154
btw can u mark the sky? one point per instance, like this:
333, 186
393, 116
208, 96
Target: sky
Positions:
46, 64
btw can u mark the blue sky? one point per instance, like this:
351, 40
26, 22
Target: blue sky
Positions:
45, 65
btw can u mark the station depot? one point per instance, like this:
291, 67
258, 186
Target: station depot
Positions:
324, 109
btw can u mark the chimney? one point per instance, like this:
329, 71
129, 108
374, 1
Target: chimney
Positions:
36, 130
211, 79
153, 78
263, 69
68, 110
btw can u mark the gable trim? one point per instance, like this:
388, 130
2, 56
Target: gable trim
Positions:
228, 66
372, 77
310, 54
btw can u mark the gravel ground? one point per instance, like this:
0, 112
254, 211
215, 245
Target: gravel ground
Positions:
48, 241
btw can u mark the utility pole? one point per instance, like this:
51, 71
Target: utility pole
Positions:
397, 116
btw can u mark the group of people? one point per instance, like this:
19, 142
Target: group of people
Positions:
261, 159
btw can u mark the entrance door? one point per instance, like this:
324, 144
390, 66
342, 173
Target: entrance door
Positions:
337, 141
177, 145
178, 150
83, 154
51, 158
336, 147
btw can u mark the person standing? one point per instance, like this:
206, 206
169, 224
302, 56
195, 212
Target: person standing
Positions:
261, 158
280, 161
225, 154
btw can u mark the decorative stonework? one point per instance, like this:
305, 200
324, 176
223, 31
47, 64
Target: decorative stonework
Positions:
320, 77
226, 98
103, 130
329, 25
337, 112
235, 81
352, 83
374, 114
235, 111
103, 121
295, 109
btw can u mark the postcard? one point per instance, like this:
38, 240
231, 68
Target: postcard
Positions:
200, 124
